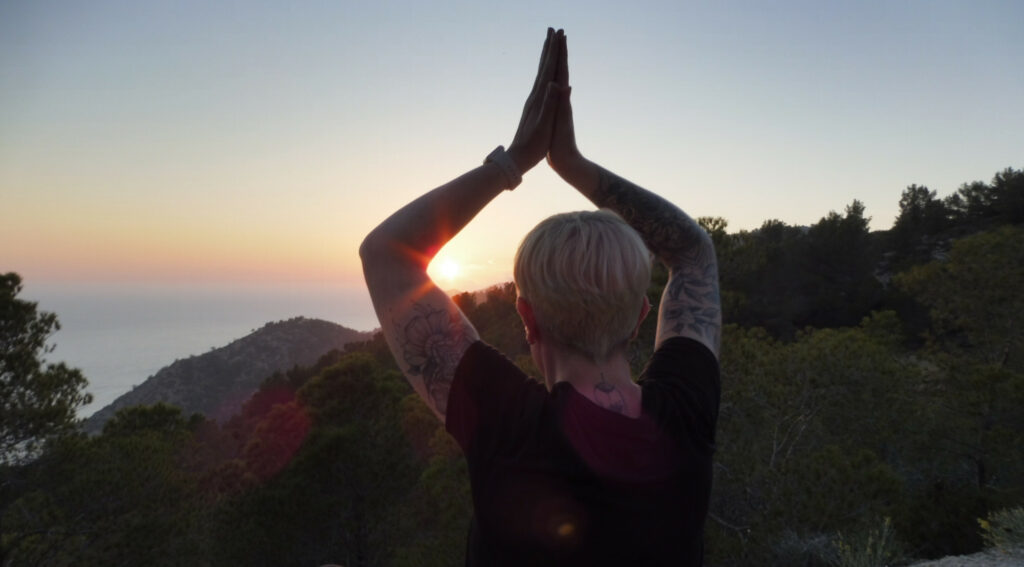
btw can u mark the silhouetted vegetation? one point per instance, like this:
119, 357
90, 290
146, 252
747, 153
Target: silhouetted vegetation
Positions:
873, 391
38, 400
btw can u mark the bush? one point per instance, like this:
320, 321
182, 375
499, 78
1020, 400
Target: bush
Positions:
872, 548
1004, 530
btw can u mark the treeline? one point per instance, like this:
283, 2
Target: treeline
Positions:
833, 273
873, 406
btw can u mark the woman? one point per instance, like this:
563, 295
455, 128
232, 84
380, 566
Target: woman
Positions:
592, 468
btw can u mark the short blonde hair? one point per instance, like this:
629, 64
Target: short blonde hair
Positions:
585, 275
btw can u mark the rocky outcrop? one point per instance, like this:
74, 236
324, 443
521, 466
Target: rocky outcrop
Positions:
216, 383
989, 558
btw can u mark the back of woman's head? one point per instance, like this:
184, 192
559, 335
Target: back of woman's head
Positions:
585, 275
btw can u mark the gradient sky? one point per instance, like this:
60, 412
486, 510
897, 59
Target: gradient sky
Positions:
258, 142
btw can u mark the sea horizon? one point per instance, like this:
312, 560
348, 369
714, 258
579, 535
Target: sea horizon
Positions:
119, 335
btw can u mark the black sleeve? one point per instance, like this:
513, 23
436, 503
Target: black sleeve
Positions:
681, 390
492, 403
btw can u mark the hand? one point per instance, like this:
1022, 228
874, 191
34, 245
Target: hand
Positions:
533, 136
563, 155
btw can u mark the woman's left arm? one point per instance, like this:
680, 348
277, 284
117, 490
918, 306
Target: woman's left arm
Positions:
426, 331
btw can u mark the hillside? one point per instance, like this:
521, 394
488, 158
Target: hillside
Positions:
216, 383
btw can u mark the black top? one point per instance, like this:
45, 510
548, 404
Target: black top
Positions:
559, 480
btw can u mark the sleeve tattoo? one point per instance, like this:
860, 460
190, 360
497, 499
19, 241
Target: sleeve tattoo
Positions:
433, 342
694, 302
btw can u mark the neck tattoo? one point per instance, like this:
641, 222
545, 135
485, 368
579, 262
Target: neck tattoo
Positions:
608, 396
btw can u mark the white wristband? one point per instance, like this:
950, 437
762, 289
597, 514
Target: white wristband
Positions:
500, 158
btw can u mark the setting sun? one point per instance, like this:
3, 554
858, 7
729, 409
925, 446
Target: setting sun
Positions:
449, 269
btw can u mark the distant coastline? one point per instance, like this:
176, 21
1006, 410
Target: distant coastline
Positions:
217, 383
121, 335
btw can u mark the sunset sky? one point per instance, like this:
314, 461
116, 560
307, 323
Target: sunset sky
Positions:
258, 142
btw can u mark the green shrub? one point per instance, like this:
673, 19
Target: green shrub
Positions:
870, 548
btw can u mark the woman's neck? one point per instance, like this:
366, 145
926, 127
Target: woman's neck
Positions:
608, 384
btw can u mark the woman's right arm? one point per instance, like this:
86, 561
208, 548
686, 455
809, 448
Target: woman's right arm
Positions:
691, 304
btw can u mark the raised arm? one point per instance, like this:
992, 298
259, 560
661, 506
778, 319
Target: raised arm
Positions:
426, 331
691, 304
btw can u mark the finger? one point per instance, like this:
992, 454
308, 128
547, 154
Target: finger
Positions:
563, 138
546, 74
546, 71
550, 68
533, 101
563, 131
538, 81
564, 107
563, 63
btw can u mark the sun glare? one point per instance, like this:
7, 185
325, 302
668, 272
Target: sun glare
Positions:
449, 269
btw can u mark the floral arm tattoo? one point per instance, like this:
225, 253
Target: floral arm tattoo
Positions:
691, 304
433, 341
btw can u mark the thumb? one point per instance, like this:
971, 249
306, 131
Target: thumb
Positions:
564, 118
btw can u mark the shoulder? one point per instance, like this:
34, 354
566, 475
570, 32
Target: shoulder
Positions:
489, 394
488, 377
682, 389
679, 357
484, 367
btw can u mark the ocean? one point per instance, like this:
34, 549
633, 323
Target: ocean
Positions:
119, 335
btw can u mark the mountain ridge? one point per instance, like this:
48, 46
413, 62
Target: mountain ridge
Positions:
218, 382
